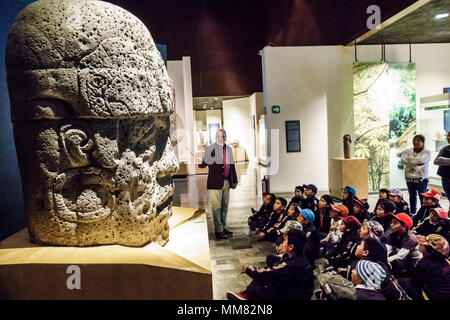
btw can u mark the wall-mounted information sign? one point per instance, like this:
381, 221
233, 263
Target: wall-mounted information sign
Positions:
293, 136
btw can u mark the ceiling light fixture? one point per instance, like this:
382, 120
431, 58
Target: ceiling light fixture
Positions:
440, 16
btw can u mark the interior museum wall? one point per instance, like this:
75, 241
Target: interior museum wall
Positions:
313, 85
202, 121
236, 122
180, 73
256, 110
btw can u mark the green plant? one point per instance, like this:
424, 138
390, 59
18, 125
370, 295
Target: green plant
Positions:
372, 142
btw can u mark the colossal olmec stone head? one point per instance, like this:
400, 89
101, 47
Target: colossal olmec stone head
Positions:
90, 103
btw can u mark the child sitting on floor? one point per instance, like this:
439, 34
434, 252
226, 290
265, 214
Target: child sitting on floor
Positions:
430, 201
291, 278
431, 279
272, 234
334, 235
401, 246
360, 210
260, 218
383, 194
437, 223
344, 251
367, 278
291, 223
298, 196
310, 202
276, 217
372, 249
373, 229
322, 219
396, 196
306, 219
348, 197
385, 208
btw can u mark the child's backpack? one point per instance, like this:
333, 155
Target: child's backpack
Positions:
336, 287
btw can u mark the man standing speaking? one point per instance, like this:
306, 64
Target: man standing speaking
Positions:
221, 177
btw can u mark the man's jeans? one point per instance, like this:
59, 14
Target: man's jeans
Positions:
219, 204
413, 190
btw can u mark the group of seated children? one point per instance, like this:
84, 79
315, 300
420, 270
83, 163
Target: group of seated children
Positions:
383, 255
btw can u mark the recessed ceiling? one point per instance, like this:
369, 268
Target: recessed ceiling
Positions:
206, 103
419, 26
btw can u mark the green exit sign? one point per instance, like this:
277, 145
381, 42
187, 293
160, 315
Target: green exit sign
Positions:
276, 109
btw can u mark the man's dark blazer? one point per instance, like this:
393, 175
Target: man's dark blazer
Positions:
213, 158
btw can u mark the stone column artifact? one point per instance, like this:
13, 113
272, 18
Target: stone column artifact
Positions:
347, 146
90, 105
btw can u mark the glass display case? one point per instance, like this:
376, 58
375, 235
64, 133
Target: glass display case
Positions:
434, 123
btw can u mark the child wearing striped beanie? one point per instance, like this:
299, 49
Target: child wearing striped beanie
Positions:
367, 278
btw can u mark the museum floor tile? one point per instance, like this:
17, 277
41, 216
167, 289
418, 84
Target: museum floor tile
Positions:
228, 256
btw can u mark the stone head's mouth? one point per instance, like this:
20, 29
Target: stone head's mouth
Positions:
84, 194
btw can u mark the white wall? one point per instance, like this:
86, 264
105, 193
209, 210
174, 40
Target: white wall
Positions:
180, 73
305, 82
314, 85
213, 116
237, 122
256, 110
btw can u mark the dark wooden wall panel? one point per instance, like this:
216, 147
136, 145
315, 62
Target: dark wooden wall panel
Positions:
355, 16
223, 37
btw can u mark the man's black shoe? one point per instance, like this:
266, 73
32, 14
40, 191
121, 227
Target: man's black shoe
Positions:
221, 235
228, 232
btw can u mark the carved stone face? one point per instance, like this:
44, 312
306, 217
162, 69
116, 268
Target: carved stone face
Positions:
90, 103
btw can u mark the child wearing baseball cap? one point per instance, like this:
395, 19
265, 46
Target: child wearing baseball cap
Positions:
431, 279
334, 235
348, 197
430, 201
306, 219
367, 278
310, 202
401, 246
437, 223
344, 251
396, 196
360, 210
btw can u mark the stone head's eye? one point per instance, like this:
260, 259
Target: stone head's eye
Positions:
98, 81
